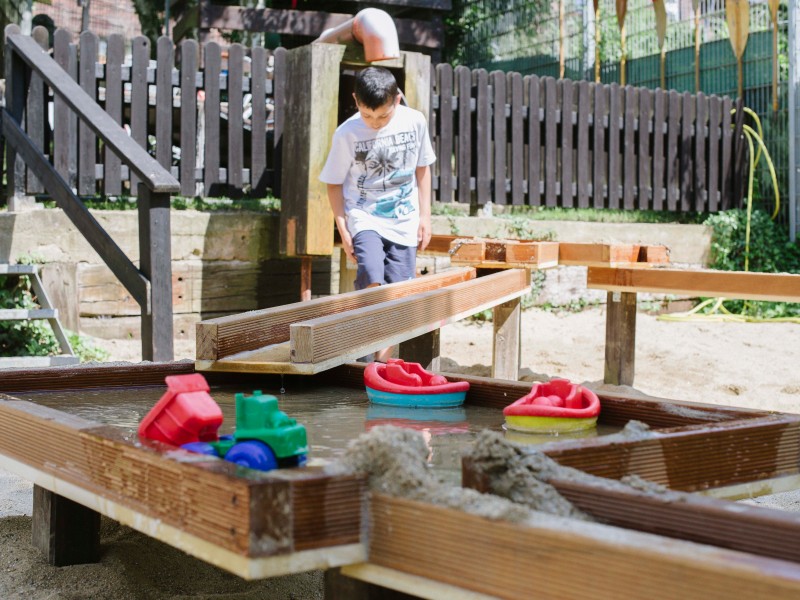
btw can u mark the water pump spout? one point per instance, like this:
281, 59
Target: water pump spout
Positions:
372, 28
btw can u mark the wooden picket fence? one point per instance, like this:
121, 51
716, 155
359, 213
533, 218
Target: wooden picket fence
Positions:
512, 139
214, 126
539, 141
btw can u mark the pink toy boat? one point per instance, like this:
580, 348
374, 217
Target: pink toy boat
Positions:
398, 383
554, 407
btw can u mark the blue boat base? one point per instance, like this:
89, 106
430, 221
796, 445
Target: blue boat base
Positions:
416, 400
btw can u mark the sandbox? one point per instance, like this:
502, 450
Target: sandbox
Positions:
260, 525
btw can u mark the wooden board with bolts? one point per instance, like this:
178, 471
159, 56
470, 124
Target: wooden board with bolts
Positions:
503, 254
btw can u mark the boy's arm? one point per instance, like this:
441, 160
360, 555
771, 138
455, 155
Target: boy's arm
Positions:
424, 191
336, 198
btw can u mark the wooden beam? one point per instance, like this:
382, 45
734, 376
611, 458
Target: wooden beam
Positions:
64, 531
225, 336
374, 327
675, 514
311, 109
605, 255
507, 322
777, 287
155, 261
620, 354
549, 555
503, 253
423, 349
84, 221
765, 447
309, 23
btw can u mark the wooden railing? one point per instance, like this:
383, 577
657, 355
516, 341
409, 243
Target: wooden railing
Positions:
29, 72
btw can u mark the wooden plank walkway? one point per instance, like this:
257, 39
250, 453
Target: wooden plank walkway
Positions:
321, 343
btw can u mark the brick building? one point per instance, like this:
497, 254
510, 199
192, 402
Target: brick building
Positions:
105, 16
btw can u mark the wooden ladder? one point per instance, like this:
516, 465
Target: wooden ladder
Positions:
67, 356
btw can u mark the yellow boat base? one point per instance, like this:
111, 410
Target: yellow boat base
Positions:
549, 424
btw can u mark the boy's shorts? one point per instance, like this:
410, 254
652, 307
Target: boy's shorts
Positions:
381, 261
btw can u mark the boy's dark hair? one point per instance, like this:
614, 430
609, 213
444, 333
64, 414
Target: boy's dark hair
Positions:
375, 86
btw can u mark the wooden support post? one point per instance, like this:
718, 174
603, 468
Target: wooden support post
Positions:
423, 349
347, 273
507, 319
311, 108
155, 256
620, 338
67, 532
305, 278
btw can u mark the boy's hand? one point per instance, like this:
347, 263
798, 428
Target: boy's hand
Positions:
424, 233
347, 245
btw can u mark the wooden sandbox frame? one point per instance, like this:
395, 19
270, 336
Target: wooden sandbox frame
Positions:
266, 524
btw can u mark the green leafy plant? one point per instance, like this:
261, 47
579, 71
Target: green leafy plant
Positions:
85, 349
35, 338
770, 251
21, 337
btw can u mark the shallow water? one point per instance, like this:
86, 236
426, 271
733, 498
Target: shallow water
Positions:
332, 416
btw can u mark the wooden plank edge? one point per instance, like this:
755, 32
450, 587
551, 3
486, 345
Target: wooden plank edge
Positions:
494, 264
419, 587
624, 279
423, 538
246, 568
754, 489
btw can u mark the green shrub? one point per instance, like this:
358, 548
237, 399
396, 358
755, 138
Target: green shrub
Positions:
23, 338
35, 338
770, 251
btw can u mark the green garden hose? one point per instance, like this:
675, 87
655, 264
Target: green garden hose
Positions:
718, 312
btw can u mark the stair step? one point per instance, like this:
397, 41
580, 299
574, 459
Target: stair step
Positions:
21, 314
25, 362
18, 269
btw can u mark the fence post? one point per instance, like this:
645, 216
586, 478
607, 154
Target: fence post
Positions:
794, 113
155, 263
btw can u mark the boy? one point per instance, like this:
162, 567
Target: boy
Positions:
379, 182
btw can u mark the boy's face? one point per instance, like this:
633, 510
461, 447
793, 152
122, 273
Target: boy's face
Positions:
380, 116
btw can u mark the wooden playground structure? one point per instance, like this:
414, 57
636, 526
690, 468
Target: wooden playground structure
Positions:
259, 525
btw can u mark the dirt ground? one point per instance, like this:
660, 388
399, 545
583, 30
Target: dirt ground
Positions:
735, 364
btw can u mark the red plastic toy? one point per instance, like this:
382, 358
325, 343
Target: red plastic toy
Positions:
554, 407
185, 413
398, 383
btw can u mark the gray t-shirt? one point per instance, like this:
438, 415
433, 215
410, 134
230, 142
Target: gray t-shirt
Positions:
376, 168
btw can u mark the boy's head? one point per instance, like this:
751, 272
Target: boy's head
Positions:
376, 96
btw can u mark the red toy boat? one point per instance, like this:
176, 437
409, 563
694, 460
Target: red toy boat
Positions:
554, 407
398, 383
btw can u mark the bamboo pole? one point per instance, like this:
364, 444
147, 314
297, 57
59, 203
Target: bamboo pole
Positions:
737, 13
597, 41
661, 34
561, 54
622, 9
773, 13
696, 6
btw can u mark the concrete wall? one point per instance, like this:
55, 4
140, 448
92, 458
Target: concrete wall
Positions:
222, 263
226, 263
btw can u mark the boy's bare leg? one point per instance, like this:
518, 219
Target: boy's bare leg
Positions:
386, 353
